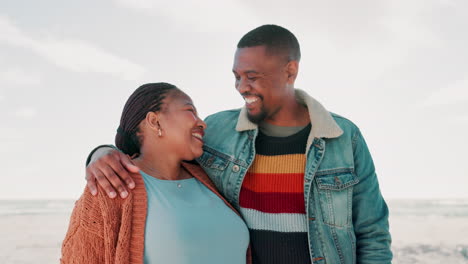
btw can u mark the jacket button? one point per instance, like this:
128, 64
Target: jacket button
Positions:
235, 168
337, 180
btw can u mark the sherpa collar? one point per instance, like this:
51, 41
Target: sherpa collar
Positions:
323, 124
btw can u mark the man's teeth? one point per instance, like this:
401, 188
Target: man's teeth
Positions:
250, 100
197, 135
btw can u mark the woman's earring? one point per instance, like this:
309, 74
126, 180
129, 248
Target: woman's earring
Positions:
159, 129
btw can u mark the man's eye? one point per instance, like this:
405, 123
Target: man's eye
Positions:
252, 78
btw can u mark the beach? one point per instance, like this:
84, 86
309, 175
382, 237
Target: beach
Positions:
430, 232
32, 238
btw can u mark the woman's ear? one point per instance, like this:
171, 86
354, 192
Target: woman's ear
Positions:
152, 119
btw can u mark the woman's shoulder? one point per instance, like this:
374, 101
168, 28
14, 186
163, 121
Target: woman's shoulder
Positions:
197, 172
92, 206
88, 213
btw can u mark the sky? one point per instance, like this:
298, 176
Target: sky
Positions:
396, 68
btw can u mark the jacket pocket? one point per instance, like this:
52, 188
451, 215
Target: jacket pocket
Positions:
215, 166
214, 162
336, 193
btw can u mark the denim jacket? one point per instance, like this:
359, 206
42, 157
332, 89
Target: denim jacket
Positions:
347, 215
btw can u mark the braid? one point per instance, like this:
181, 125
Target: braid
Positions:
147, 98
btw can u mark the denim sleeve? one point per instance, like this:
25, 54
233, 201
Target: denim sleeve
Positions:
370, 212
90, 155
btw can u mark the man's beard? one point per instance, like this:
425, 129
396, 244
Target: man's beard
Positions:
256, 119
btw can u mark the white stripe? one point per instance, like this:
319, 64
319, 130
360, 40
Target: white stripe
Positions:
283, 222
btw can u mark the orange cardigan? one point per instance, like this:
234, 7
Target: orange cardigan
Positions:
104, 230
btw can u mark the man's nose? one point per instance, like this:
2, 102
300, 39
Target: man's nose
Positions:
242, 86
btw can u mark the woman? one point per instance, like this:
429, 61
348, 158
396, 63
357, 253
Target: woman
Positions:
174, 215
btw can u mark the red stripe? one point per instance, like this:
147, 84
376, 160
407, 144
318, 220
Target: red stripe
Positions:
274, 182
272, 202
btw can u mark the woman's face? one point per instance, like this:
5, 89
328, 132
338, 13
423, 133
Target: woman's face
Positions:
181, 127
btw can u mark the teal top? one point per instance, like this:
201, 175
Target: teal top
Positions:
188, 223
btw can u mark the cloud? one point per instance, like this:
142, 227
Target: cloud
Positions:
208, 15
460, 119
454, 94
17, 76
26, 112
137, 4
73, 55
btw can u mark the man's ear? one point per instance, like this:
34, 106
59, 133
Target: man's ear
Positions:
292, 69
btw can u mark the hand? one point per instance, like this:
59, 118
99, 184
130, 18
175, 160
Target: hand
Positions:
111, 168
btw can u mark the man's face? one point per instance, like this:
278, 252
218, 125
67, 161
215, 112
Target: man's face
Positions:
261, 79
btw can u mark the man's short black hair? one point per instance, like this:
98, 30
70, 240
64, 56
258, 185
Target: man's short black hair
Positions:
278, 41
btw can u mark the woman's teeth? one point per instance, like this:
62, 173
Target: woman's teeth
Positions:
197, 136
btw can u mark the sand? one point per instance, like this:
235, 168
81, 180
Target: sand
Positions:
32, 238
37, 238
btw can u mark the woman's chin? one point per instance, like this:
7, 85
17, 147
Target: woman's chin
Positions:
196, 153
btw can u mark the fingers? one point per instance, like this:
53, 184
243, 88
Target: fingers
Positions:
105, 184
111, 174
129, 166
120, 169
115, 178
91, 183
94, 172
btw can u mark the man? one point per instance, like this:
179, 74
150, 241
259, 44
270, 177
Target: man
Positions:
302, 177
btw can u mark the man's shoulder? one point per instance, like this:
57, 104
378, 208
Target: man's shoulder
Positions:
225, 113
227, 118
221, 129
348, 126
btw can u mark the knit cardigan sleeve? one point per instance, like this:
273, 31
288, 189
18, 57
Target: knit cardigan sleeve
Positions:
84, 241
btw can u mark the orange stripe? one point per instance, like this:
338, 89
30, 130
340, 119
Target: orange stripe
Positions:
290, 163
274, 182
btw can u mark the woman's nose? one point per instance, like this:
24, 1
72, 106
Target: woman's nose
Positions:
201, 123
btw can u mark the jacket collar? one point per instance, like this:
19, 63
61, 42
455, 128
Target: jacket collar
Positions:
323, 124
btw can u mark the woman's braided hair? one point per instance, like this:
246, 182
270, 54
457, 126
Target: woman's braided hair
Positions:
147, 98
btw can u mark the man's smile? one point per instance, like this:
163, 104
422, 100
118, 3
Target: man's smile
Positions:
250, 100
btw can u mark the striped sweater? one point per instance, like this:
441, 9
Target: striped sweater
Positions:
272, 200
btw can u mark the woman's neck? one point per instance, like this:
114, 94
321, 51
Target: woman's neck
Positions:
161, 166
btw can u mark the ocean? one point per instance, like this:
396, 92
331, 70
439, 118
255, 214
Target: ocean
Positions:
423, 231
429, 231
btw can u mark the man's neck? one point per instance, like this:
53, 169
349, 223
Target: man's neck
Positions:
279, 131
293, 114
